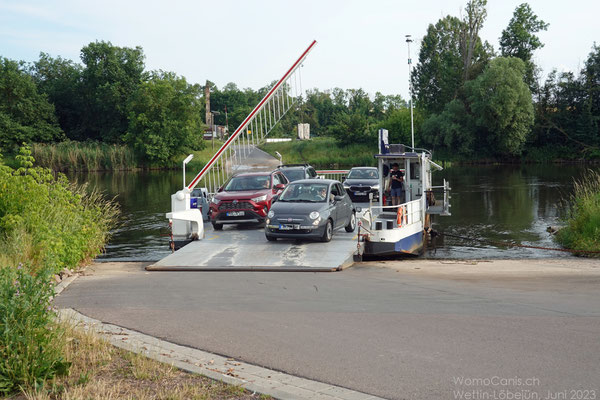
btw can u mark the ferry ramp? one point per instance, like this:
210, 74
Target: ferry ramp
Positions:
240, 248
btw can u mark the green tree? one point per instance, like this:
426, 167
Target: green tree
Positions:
500, 102
519, 39
453, 129
111, 75
351, 128
438, 75
25, 114
470, 43
398, 125
60, 80
165, 118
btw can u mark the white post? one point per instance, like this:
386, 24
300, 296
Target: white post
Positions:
187, 160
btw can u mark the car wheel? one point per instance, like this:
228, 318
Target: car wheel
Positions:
271, 238
352, 224
328, 233
217, 227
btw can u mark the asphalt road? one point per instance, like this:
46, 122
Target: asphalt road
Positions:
390, 332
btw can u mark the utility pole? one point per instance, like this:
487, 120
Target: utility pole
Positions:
208, 116
410, 88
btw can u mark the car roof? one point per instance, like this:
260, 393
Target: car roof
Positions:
363, 168
252, 174
315, 180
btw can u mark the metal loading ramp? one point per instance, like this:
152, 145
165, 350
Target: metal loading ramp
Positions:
246, 249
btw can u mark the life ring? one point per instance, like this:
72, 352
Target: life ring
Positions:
400, 216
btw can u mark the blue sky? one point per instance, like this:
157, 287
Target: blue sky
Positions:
360, 43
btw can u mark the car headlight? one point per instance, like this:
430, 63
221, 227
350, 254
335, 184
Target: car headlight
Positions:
259, 198
271, 214
215, 200
314, 215
346, 186
375, 187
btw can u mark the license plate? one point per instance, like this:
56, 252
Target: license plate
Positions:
235, 213
360, 193
288, 227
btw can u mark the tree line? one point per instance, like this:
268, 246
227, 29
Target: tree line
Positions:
472, 101
480, 103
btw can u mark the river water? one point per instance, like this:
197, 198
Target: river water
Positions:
497, 203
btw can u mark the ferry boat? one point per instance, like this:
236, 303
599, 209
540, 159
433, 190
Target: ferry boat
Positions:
388, 229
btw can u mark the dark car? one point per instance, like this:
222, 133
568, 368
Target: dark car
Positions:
245, 198
295, 172
360, 182
310, 209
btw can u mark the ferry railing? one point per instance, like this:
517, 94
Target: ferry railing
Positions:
411, 212
335, 174
444, 190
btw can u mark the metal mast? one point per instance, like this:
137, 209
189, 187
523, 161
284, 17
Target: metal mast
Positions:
410, 88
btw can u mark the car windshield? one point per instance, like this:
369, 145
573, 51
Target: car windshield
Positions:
240, 183
305, 192
363, 174
293, 174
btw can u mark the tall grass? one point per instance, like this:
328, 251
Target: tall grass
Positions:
47, 222
582, 231
323, 153
84, 156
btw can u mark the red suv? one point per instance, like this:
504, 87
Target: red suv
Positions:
245, 198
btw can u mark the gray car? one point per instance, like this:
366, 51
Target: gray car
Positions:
310, 209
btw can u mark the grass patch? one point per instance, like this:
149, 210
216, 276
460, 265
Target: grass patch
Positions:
84, 156
582, 230
102, 371
324, 153
201, 157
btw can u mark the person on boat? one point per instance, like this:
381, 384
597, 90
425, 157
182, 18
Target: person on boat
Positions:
397, 185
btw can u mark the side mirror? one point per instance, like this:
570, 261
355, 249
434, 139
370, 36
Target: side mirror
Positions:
220, 189
338, 198
279, 186
343, 178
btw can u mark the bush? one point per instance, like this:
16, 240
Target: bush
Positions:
582, 231
30, 341
48, 222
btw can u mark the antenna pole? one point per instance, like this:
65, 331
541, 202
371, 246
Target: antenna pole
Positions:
410, 87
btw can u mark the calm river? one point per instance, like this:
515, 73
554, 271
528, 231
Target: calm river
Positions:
499, 203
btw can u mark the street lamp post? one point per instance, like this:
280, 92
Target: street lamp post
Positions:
410, 88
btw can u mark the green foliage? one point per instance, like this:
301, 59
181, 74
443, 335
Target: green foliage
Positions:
111, 75
438, 75
501, 106
61, 81
84, 156
568, 110
398, 125
582, 231
452, 129
351, 128
451, 53
519, 39
324, 152
165, 118
30, 341
25, 114
48, 222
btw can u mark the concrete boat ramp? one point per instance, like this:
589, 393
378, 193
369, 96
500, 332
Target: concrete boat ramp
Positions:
238, 248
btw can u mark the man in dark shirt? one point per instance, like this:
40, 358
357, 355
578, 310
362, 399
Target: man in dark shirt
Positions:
397, 185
